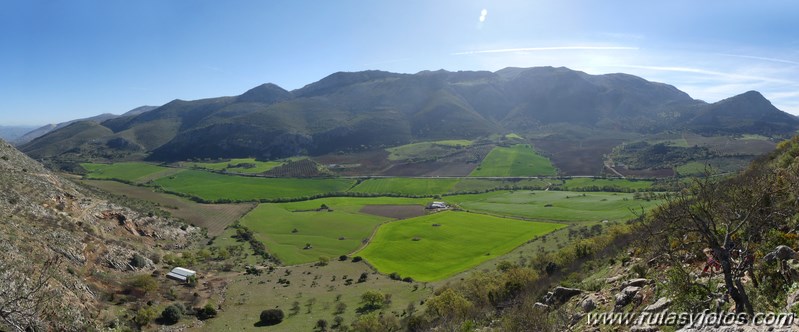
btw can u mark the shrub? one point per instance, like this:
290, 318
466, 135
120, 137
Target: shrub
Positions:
143, 282
138, 261
171, 315
357, 259
145, 315
206, 312
342, 258
272, 316
364, 276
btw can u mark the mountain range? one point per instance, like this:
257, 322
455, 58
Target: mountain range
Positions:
351, 111
30, 135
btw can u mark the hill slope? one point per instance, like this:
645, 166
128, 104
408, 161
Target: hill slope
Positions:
371, 109
63, 248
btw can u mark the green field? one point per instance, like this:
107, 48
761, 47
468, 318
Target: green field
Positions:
274, 223
415, 248
426, 149
518, 160
240, 165
406, 186
566, 206
472, 185
578, 184
131, 171
212, 186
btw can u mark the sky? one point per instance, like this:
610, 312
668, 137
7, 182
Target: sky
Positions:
62, 60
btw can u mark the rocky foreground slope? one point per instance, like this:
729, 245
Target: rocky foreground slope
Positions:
64, 249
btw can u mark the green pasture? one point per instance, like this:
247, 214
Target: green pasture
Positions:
238, 165
418, 249
406, 186
331, 233
567, 206
471, 185
426, 149
213, 186
518, 160
577, 184
127, 171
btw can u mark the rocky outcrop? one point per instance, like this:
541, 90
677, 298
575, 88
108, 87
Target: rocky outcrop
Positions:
626, 295
560, 295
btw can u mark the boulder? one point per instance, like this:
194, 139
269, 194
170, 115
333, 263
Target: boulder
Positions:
638, 282
626, 295
659, 305
588, 304
561, 295
785, 253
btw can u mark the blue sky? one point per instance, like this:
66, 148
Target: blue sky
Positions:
61, 60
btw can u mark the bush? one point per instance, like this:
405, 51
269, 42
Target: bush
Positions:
145, 315
342, 258
206, 312
357, 259
364, 276
143, 282
272, 316
171, 314
138, 261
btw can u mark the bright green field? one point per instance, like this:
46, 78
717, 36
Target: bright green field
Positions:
580, 183
565, 205
260, 166
122, 171
273, 224
463, 240
426, 149
408, 186
518, 160
212, 186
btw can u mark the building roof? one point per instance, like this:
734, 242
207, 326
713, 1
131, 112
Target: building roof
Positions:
181, 273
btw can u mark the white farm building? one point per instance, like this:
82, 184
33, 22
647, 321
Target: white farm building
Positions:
181, 274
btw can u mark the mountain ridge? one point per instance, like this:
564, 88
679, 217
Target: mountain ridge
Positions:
351, 111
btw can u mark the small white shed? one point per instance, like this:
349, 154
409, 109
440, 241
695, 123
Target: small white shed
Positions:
181, 274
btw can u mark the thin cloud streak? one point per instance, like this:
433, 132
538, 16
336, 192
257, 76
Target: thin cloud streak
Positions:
760, 58
709, 73
555, 48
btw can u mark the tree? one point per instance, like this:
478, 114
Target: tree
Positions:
272, 316
171, 314
730, 217
449, 305
341, 307
321, 325
372, 300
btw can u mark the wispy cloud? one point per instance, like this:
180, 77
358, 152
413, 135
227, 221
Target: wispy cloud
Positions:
554, 48
760, 58
722, 75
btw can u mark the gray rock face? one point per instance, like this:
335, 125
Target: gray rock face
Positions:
659, 305
638, 282
626, 295
561, 295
